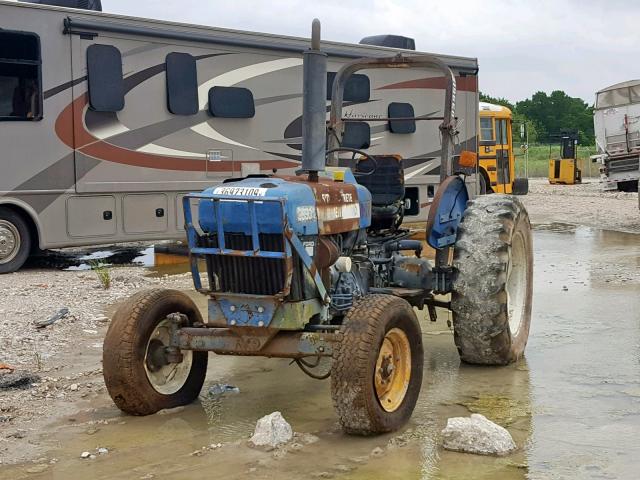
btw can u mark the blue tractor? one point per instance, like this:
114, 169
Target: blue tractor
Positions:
318, 266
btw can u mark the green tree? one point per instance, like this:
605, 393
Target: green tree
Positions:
554, 113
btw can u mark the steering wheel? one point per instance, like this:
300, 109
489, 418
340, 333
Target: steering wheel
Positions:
360, 152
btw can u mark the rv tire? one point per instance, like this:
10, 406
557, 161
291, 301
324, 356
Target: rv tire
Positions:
15, 240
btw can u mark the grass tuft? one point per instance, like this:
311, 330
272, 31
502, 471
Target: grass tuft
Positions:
102, 272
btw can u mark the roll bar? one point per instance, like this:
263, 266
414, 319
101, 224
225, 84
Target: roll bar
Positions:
447, 127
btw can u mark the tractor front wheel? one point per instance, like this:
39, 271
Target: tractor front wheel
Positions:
140, 377
377, 366
493, 281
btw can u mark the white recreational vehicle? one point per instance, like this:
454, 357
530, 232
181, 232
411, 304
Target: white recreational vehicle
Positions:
107, 121
616, 122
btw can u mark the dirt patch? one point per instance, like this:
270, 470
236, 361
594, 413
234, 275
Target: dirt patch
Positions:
584, 204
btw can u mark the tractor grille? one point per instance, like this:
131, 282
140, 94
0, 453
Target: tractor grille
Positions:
247, 275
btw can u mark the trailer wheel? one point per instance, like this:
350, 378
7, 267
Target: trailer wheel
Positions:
15, 241
520, 186
628, 186
493, 276
137, 374
377, 366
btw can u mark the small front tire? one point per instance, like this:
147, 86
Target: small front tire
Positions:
138, 380
377, 366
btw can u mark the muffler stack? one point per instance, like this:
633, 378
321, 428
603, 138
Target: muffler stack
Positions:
314, 106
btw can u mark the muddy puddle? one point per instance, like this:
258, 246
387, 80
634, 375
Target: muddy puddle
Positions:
572, 405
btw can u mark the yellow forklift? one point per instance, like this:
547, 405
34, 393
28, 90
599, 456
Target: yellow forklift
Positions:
564, 170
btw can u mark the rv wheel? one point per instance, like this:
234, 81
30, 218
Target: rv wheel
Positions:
377, 366
139, 377
15, 241
493, 277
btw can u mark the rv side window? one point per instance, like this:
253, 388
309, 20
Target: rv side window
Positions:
401, 110
357, 89
182, 84
231, 102
20, 76
357, 135
486, 130
104, 73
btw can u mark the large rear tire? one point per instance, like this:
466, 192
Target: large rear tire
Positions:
377, 366
15, 241
137, 376
493, 281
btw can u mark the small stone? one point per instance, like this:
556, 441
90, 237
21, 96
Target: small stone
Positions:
73, 387
272, 430
85, 454
377, 452
323, 475
170, 411
92, 457
103, 451
478, 435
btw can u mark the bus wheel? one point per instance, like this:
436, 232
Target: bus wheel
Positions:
520, 186
15, 241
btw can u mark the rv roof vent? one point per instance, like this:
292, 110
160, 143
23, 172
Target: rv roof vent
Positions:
393, 41
81, 4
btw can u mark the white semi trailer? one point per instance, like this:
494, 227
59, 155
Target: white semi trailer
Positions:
616, 121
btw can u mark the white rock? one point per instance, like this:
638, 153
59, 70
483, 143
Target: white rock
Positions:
272, 430
103, 451
477, 434
85, 455
73, 387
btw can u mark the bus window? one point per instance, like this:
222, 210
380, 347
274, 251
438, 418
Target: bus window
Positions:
501, 132
20, 76
486, 130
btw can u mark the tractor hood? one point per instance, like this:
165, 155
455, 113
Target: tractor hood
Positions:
334, 204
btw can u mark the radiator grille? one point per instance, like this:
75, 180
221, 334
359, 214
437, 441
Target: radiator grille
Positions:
247, 275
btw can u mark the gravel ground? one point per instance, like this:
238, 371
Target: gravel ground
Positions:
65, 357
584, 204
60, 363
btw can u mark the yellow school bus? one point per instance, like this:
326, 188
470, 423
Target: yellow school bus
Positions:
496, 159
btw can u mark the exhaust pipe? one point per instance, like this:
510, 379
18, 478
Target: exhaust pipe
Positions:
314, 106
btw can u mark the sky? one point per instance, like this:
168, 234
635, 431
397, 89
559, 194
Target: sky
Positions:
579, 46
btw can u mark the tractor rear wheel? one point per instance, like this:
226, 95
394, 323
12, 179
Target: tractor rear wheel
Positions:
493, 277
137, 373
377, 366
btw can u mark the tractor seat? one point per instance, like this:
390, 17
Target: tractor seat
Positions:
386, 185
